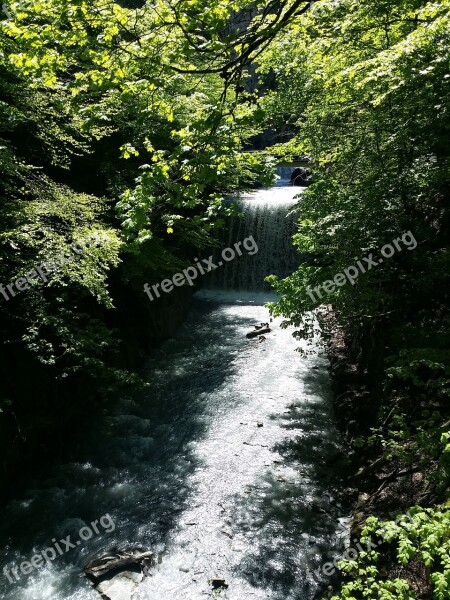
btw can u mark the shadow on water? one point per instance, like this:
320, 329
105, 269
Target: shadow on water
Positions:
136, 463
226, 452
291, 522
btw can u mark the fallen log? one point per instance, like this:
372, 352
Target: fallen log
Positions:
253, 334
98, 569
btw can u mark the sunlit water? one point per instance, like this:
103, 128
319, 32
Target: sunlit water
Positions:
221, 465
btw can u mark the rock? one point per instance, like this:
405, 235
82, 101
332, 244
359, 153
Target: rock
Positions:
120, 587
218, 584
97, 569
362, 500
259, 424
116, 576
258, 332
301, 177
357, 525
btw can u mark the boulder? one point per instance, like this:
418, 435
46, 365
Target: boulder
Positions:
116, 576
301, 177
218, 584
120, 587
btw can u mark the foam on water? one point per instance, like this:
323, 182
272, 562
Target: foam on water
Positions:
269, 217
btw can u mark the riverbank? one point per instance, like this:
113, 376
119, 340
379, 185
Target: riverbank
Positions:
387, 479
35, 436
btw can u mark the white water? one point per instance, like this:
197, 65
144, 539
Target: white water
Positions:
269, 217
185, 470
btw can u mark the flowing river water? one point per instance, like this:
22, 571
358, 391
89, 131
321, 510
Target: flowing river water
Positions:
221, 465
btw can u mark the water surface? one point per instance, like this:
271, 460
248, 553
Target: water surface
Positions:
221, 465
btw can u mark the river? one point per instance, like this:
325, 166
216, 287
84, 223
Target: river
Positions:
221, 465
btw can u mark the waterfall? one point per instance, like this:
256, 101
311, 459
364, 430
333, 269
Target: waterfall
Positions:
284, 173
268, 217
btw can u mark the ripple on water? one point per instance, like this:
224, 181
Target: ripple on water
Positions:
220, 464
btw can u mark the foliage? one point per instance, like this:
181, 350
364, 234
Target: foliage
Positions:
420, 536
371, 107
133, 123
124, 123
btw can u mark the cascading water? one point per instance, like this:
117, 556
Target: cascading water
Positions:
284, 175
268, 217
220, 465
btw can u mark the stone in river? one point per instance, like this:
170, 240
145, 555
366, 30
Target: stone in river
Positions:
116, 576
120, 587
218, 584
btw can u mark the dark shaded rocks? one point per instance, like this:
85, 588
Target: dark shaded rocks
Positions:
301, 176
218, 584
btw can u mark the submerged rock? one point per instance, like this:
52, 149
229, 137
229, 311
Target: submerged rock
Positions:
301, 177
